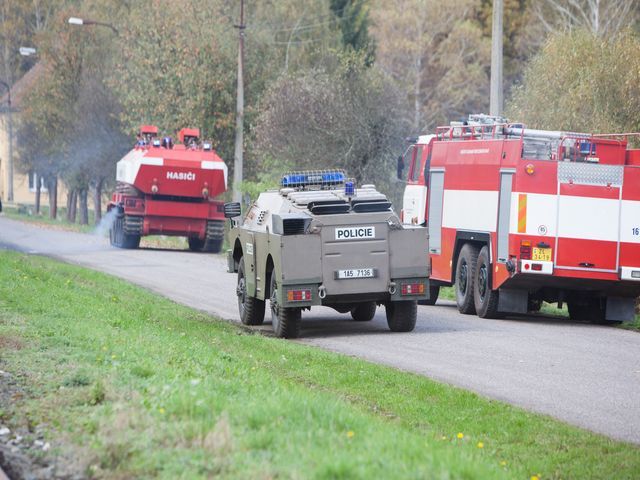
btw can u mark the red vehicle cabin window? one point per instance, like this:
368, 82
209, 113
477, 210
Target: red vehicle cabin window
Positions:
415, 154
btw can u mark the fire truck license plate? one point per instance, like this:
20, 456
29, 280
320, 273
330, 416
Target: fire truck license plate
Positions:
541, 254
356, 273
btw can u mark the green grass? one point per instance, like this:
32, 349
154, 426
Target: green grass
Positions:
140, 387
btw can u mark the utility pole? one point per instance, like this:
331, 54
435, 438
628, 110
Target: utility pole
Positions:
496, 102
10, 159
238, 154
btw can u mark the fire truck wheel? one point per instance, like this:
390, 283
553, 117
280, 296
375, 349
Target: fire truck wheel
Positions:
364, 312
485, 299
434, 291
251, 309
465, 274
213, 245
119, 239
593, 311
285, 321
195, 244
401, 316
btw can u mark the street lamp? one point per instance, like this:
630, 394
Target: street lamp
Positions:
10, 159
84, 21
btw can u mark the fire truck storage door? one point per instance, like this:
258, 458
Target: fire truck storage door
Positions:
588, 219
504, 213
436, 190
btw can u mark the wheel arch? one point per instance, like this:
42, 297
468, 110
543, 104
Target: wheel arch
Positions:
237, 253
270, 267
479, 239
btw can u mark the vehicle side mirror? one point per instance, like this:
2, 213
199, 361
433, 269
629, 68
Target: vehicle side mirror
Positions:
400, 168
232, 209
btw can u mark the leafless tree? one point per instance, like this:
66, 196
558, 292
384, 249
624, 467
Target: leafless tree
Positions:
601, 17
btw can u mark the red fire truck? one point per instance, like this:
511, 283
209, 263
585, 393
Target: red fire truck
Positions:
519, 216
167, 189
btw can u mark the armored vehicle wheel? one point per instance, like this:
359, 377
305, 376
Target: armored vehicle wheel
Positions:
401, 316
284, 320
434, 291
364, 312
251, 309
485, 299
119, 238
465, 273
195, 244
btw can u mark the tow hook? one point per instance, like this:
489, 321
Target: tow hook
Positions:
392, 288
322, 291
511, 266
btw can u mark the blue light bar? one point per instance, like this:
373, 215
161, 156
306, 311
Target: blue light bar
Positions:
303, 179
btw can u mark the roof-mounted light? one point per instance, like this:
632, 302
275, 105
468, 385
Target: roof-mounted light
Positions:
313, 178
156, 142
206, 146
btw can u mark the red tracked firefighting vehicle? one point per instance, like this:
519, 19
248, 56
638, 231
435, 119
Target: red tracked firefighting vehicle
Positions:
167, 189
519, 216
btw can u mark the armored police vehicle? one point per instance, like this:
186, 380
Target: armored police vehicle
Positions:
318, 240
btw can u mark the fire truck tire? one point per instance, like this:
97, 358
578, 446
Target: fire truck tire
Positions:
285, 321
465, 274
401, 316
119, 238
434, 291
364, 312
195, 244
485, 299
213, 245
593, 311
251, 309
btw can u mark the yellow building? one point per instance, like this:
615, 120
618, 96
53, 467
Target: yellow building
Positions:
24, 183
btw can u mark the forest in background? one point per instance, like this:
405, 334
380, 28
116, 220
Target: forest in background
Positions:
328, 83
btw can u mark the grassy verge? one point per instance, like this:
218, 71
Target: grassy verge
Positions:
142, 387
448, 293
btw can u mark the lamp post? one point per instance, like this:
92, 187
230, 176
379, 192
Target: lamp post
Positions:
84, 21
10, 159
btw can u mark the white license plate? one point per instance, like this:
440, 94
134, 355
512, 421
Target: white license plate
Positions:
356, 273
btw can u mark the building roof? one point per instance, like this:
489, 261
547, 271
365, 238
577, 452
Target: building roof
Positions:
21, 87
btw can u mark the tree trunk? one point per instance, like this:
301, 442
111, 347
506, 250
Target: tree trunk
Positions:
84, 206
97, 200
53, 198
72, 201
38, 192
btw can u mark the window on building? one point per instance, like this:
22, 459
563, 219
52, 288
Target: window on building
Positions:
33, 178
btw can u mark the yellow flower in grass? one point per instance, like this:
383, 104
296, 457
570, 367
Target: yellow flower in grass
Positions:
480, 445
460, 435
535, 477
503, 463
161, 410
350, 434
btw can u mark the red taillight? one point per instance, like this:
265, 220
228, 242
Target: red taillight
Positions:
525, 250
412, 289
536, 267
303, 295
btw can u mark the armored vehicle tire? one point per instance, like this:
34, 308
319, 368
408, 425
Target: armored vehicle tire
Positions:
465, 273
119, 239
284, 320
401, 316
364, 312
434, 291
195, 244
251, 309
485, 299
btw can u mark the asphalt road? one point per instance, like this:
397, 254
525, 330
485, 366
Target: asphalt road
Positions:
586, 375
